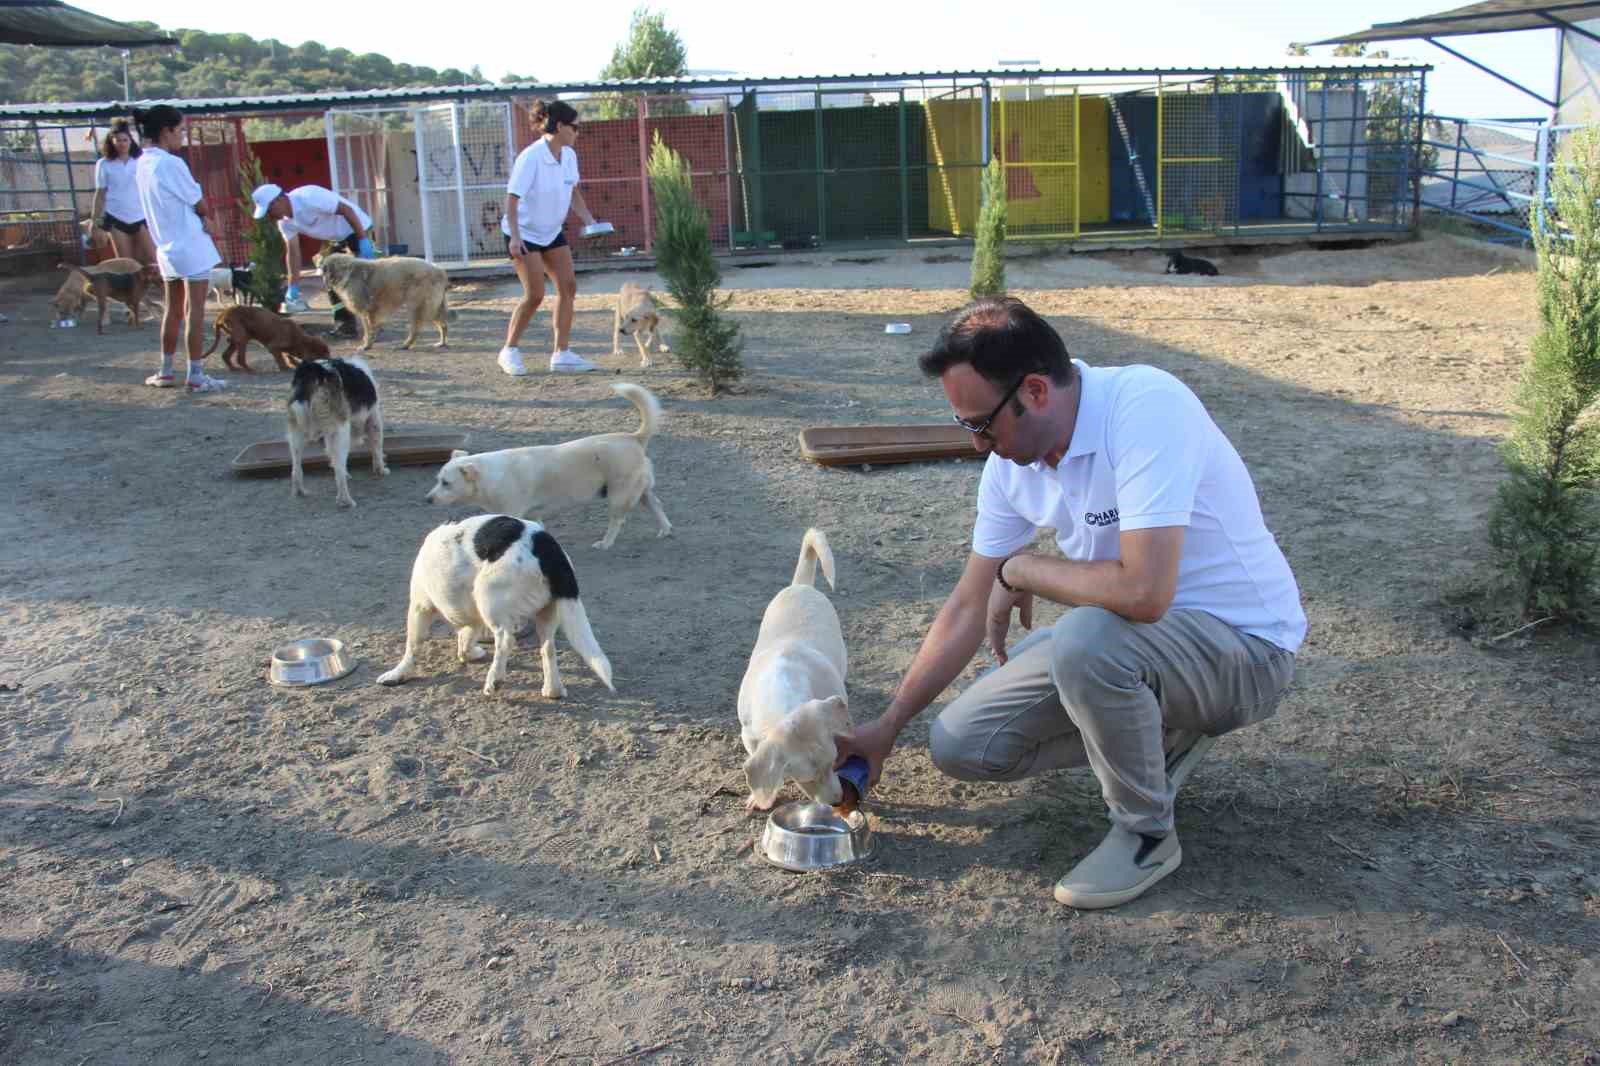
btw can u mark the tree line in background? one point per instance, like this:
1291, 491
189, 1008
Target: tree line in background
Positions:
209, 65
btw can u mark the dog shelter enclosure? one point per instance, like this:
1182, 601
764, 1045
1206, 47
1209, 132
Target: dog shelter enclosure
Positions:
1102, 156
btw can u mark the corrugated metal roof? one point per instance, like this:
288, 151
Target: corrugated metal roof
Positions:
1490, 16
418, 94
52, 24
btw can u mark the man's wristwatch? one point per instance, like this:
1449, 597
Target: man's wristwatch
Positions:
1000, 574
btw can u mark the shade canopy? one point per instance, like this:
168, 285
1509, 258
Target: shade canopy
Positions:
1489, 16
56, 25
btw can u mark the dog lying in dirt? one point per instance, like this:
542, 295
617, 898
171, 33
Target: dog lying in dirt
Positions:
792, 700
372, 288
1178, 263
334, 400
493, 574
637, 315
613, 466
125, 280
280, 335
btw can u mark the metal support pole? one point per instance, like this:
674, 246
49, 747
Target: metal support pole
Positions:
1322, 151
983, 125
1351, 141
644, 174
905, 172
72, 194
1161, 154
1414, 169
821, 155
461, 192
333, 149
727, 165
419, 119
1077, 164
1541, 192
1455, 178
1238, 156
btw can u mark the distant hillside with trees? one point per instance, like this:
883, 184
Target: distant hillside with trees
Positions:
208, 65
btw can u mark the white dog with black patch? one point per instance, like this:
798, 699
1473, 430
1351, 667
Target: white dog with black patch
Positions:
792, 700
493, 574
613, 466
334, 401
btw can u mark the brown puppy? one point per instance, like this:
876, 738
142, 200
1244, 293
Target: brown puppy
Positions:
127, 280
637, 314
279, 335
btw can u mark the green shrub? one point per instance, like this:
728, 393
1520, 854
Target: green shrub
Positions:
989, 252
708, 345
1544, 527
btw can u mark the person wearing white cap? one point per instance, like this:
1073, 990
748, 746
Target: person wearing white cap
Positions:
323, 215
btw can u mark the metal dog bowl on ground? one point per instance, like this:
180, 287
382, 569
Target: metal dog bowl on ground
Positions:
811, 836
312, 661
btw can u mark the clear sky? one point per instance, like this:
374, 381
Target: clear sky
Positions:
568, 42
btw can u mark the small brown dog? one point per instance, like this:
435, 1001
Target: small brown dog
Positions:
286, 341
637, 314
127, 280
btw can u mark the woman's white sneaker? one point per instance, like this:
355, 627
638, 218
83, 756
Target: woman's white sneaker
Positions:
569, 361
511, 362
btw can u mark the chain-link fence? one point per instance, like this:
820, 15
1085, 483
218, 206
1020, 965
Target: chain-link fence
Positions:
1101, 157
46, 185
1489, 173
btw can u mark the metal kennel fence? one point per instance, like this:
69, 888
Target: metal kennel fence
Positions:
1137, 156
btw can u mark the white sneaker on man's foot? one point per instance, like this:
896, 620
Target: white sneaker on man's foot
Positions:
295, 306
511, 362
1121, 869
571, 362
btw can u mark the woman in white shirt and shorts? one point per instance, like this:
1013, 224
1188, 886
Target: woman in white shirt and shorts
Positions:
117, 210
542, 190
176, 212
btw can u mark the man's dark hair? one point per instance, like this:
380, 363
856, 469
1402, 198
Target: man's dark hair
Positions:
1003, 338
157, 119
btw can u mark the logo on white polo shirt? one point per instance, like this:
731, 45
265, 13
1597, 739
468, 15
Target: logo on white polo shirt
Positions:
1102, 518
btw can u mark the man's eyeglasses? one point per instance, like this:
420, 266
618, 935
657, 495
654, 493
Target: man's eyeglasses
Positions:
981, 429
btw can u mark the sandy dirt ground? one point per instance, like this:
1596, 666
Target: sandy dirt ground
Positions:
1400, 867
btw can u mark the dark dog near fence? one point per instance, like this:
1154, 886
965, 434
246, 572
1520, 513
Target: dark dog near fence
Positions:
1178, 263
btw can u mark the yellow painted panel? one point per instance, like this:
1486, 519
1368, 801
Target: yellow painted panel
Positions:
1034, 139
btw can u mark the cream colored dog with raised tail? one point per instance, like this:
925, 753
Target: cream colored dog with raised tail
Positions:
612, 466
792, 700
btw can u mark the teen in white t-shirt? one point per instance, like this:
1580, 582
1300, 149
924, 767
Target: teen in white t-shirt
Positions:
542, 190
117, 210
1184, 615
177, 215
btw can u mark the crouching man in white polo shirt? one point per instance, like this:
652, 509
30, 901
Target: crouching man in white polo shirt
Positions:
323, 215
1184, 617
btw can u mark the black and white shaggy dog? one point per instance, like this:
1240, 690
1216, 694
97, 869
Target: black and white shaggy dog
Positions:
493, 574
334, 400
1178, 263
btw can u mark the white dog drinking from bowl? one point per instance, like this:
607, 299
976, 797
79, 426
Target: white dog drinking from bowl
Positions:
792, 699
